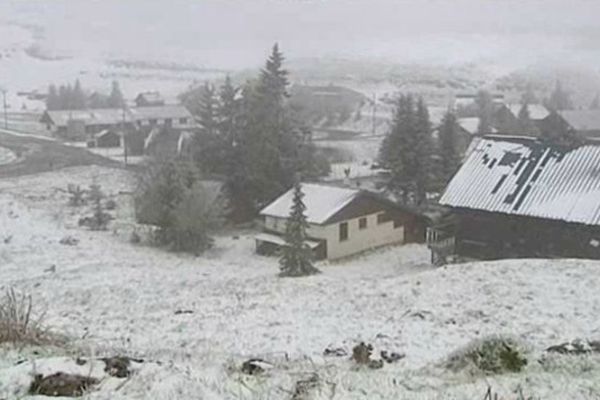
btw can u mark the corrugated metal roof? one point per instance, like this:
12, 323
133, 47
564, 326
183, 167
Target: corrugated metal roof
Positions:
530, 179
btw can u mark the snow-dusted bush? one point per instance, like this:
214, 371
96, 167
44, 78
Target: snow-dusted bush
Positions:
491, 355
171, 197
17, 321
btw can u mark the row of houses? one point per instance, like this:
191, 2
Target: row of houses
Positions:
81, 125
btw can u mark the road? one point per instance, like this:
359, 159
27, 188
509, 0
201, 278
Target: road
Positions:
38, 154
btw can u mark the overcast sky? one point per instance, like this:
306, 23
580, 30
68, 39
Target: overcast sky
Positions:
234, 34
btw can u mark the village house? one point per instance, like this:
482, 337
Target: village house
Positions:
81, 125
342, 222
519, 197
106, 138
148, 99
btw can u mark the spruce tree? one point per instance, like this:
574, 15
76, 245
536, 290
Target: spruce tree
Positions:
115, 99
296, 259
559, 99
485, 111
406, 151
526, 125
78, 100
595, 104
52, 101
529, 95
449, 147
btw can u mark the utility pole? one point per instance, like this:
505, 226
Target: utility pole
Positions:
373, 114
124, 134
4, 102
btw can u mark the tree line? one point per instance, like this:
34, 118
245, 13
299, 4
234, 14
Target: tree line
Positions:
251, 137
74, 97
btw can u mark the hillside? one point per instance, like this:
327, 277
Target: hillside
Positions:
131, 301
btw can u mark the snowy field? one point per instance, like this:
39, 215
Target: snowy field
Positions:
194, 320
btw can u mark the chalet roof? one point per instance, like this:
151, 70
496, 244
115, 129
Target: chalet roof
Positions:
321, 201
105, 132
582, 120
536, 111
159, 112
525, 177
102, 116
470, 124
113, 116
150, 97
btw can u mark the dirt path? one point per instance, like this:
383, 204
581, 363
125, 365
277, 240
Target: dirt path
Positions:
36, 155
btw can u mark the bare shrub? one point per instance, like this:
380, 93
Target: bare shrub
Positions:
492, 355
17, 321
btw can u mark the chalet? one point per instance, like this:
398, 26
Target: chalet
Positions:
342, 222
519, 197
106, 138
81, 124
148, 99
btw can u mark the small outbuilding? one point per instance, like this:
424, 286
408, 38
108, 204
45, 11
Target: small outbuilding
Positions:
342, 222
106, 138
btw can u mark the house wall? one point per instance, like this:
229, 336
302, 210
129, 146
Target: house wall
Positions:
374, 235
485, 235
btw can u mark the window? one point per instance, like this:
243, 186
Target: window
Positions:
343, 231
183, 121
168, 122
381, 218
362, 223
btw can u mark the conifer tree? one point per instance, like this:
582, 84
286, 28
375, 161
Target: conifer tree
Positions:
448, 147
296, 259
559, 99
526, 125
52, 101
529, 95
78, 100
485, 111
115, 99
595, 104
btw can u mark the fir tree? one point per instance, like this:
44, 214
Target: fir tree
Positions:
485, 111
406, 150
296, 259
52, 101
448, 147
595, 104
115, 99
78, 100
559, 99
526, 125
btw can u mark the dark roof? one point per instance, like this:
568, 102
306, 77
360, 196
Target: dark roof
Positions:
582, 120
529, 178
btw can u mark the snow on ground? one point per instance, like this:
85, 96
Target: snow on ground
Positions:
111, 296
6, 156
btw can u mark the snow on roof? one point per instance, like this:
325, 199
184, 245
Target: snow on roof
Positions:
101, 116
321, 202
536, 111
113, 116
470, 124
280, 241
166, 111
525, 177
582, 120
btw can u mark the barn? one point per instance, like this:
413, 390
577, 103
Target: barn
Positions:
520, 197
342, 222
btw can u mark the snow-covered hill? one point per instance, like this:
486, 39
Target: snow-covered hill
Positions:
111, 297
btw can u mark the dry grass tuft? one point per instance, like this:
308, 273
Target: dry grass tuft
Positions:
18, 324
